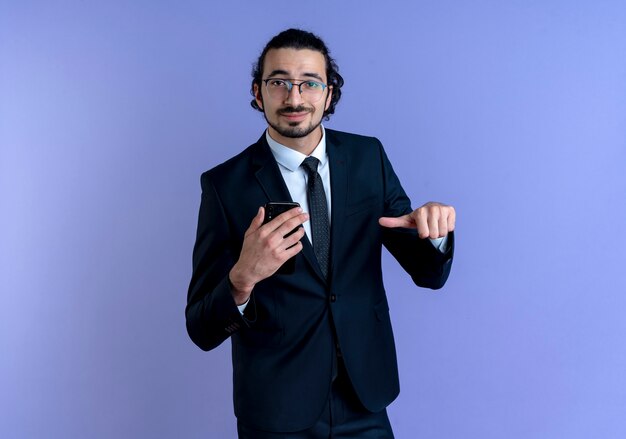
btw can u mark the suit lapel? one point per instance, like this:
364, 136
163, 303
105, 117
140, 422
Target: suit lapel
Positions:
271, 181
268, 174
338, 162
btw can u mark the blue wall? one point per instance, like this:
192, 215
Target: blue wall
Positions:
513, 111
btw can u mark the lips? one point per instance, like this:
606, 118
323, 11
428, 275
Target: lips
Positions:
295, 116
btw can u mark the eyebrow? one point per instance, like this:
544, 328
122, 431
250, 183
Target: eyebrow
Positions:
284, 72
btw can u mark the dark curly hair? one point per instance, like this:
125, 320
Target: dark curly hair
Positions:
300, 39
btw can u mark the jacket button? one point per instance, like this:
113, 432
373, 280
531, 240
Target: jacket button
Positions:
333, 298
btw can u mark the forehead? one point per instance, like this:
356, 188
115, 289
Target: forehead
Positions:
295, 63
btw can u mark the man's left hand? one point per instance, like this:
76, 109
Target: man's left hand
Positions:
432, 220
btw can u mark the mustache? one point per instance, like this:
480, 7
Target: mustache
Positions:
298, 109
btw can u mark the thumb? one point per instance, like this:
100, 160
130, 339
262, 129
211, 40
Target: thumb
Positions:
405, 221
257, 221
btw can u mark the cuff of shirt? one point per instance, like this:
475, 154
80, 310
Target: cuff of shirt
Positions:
440, 244
242, 307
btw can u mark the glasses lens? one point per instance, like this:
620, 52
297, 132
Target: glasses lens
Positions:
312, 90
278, 88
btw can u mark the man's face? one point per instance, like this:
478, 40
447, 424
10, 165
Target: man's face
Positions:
295, 116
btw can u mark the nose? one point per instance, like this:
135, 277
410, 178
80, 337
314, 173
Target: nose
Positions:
294, 97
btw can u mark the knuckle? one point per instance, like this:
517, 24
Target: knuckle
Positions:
266, 242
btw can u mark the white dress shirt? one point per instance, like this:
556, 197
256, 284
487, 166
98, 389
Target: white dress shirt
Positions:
296, 177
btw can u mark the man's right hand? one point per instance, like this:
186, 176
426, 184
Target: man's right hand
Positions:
265, 248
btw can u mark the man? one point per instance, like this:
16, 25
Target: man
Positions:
313, 351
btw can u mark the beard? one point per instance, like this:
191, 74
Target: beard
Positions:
294, 130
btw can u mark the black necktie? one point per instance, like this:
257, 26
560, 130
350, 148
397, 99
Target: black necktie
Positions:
318, 210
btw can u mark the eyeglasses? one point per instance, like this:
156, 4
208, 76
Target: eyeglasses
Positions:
279, 89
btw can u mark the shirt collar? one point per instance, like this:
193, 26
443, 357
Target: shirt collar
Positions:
292, 159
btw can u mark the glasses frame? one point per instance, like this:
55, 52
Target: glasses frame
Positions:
291, 84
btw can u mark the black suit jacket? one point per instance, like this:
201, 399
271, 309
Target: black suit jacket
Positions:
283, 347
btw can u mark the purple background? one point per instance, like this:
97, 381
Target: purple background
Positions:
514, 112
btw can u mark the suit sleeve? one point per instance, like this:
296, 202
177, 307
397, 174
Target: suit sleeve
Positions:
426, 265
211, 313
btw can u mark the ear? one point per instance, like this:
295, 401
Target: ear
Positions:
258, 97
329, 97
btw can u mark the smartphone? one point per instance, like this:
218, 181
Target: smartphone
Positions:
272, 210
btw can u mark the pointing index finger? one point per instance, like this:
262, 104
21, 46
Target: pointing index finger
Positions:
401, 221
